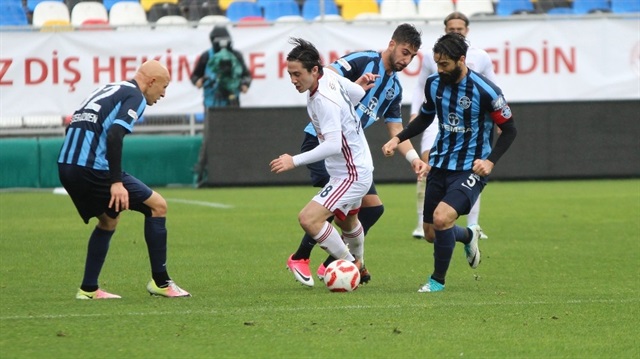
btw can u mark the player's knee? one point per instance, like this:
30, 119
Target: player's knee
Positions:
157, 204
107, 223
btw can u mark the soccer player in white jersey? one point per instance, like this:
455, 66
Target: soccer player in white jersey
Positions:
343, 148
477, 60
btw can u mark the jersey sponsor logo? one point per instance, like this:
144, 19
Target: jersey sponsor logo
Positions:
390, 94
132, 114
450, 128
344, 63
370, 109
453, 119
464, 102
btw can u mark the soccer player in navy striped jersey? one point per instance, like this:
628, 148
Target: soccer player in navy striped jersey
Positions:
90, 169
468, 106
381, 102
477, 60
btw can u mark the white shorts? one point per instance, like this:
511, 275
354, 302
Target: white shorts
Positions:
429, 136
343, 196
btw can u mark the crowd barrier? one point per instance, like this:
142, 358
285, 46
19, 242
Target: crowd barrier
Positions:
156, 160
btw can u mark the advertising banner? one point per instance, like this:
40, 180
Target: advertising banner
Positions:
534, 60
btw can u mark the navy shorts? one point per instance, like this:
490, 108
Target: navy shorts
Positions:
90, 191
459, 189
317, 170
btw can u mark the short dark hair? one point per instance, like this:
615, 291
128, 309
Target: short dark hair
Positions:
457, 15
305, 53
407, 34
452, 44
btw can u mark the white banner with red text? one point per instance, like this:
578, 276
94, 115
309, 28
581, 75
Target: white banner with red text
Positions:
534, 60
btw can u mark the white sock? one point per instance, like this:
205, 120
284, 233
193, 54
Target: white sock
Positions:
421, 187
332, 243
474, 214
355, 241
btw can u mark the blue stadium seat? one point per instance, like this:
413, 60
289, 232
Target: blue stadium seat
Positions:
278, 8
625, 6
12, 14
239, 9
590, 6
560, 11
311, 9
510, 7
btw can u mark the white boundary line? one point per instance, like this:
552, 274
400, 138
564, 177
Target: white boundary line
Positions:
301, 309
200, 203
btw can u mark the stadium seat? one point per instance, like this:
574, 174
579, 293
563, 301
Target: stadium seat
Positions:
207, 22
475, 7
162, 9
10, 121
511, 7
95, 24
42, 120
368, 17
351, 8
239, 9
108, 4
311, 9
125, 13
194, 10
88, 10
50, 11
171, 22
275, 9
590, 6
398, 9
625, 6
224, 4
560, 11
56, 26
31, 4
329, 18
288, 19
435, 9
148, 4
252, 21
12, 14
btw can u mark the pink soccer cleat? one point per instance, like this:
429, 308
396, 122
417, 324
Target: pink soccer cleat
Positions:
170, 291
300, 270
98, 294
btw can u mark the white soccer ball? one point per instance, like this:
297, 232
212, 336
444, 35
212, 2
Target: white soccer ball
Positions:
342, 276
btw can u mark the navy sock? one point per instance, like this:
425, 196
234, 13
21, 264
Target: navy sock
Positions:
155, 234
96, 253
463, 234
442, 251
368, 216
306, 245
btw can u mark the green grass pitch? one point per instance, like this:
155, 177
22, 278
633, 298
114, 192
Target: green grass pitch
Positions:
559, 279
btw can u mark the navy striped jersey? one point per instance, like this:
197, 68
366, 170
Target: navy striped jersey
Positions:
85, 142
381, 101
466, 114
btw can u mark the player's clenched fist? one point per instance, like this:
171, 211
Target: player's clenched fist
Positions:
282, 163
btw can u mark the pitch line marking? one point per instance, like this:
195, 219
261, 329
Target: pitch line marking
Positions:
296, 309
200, 203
